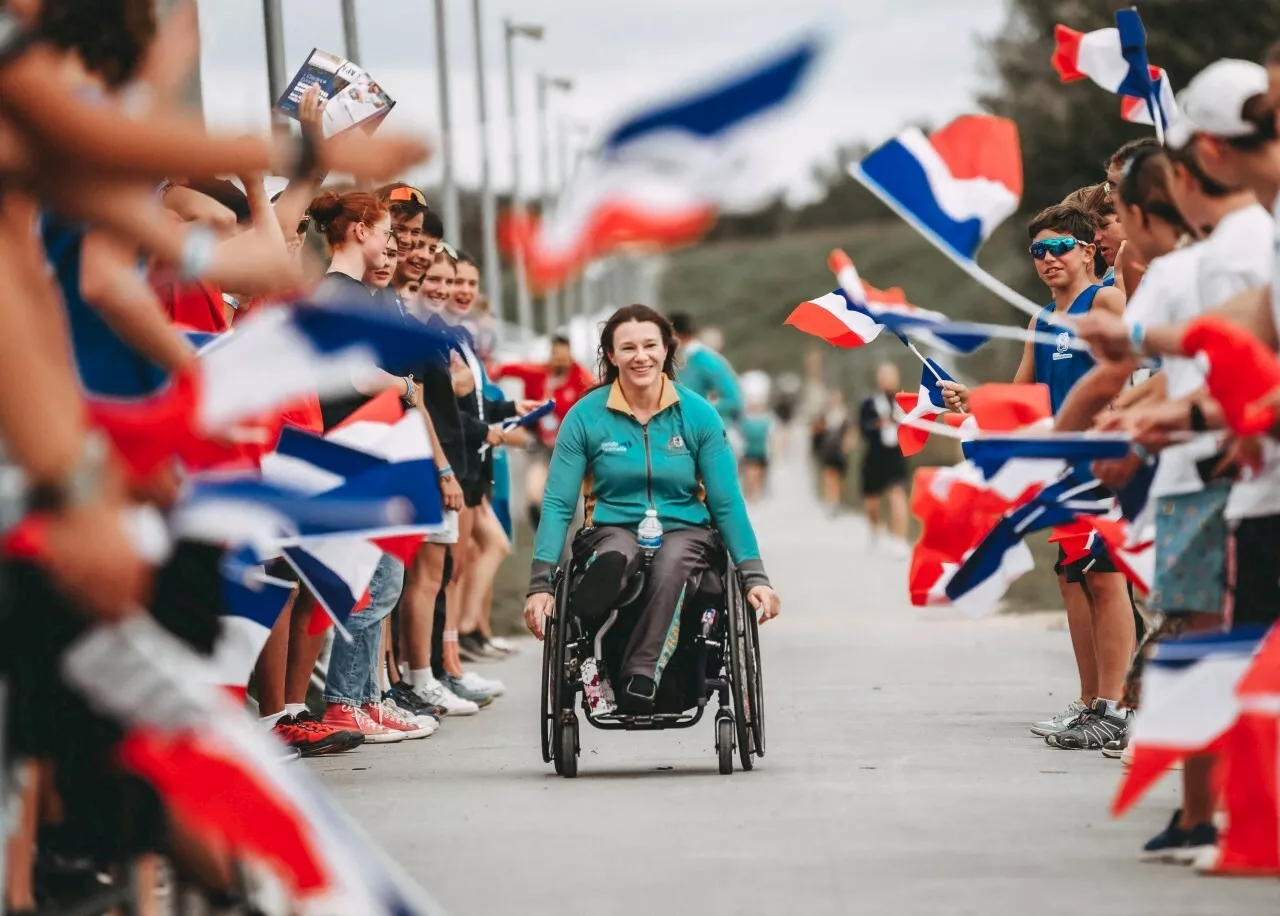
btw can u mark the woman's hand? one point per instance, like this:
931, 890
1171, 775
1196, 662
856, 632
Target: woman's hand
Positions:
763, 598
451, 492
537, 607
495, 436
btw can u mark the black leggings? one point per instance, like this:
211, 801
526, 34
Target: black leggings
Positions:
615, 556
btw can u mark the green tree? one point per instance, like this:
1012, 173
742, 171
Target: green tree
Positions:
1068, 131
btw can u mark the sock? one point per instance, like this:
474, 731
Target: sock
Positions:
1113, 709
421, 677
450, 635
269, 722
295, 709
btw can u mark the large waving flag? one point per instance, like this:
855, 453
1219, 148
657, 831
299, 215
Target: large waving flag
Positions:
1001, 556
1099, 56
1189, 702
268, 362
924, 406
956, 185
660, 176
954, 188
377, 446
222, 775
252, 601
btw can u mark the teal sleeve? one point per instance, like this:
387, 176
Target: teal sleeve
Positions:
718, 471
559, 499
725, 381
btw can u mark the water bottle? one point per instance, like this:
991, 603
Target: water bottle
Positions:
649, 534
597, 688
708, 621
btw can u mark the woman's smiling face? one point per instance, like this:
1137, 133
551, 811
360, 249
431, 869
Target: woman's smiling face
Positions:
437, 285
638, 352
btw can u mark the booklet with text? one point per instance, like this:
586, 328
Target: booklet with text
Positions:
350, 96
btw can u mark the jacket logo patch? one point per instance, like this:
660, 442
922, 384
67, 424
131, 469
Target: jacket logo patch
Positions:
613, 447
677, 442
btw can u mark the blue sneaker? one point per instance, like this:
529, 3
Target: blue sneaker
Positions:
1174, 844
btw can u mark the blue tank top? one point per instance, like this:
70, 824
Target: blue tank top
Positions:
1058, 366
106, 364
1109, 278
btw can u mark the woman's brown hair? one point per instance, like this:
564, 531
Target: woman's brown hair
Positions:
1146, 186
334, 213
607, 371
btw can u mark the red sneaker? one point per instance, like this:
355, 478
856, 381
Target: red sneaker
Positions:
392, 716
349, 718
312, 722
311, 738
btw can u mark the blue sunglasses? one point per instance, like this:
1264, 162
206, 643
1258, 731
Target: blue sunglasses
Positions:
1056, 247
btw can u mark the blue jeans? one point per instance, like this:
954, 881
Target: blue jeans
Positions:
353, 666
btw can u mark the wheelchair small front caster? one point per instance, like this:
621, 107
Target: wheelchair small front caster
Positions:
724, 743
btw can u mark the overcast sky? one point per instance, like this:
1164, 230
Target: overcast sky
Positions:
892, 62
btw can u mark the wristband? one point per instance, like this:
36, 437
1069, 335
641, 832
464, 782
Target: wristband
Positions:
1198, 423
81, 483
407, 397
198, 251
1137, 336
444, 471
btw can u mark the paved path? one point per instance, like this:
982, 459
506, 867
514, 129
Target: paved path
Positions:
900, 778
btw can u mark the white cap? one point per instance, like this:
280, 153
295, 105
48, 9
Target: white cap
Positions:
1213, 102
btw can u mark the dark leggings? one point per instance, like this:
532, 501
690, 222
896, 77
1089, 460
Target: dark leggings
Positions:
684, 553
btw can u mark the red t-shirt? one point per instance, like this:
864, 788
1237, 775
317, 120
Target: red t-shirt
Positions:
538, 386
193, 304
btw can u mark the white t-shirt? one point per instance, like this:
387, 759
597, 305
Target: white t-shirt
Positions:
1169, 294
1257, 494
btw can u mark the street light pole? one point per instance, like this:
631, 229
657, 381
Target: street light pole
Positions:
488, 212
573, 290
273, 22
350, 34
452, 217
545, 84
523, 304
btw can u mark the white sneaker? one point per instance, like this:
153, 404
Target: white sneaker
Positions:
897, 549
473, 681
437, 694
1061, 722
503, 644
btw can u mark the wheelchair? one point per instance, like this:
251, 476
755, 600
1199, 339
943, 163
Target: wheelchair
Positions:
717, 655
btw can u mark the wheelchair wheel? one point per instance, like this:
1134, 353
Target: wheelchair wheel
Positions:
567, 747
724, 744
755, 681
552, 671
744, 712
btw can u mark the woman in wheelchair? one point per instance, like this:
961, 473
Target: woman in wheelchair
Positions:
655, 467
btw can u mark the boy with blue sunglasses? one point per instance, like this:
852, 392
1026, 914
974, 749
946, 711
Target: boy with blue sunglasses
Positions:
1096, 595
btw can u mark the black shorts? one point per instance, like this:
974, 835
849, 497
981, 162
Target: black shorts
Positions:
474, 492
1253, 573
881, 470
1075, 572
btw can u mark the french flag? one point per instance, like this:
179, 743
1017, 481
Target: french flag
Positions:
268, 362
1002, 555
955, 186
1117, 65
833, 319
218, 772
378, 445
925, 406
1249, 769
1189, 702
252, 601
660, 176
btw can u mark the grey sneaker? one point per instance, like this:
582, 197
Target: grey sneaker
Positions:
1092, 730
459, 689
1061, 721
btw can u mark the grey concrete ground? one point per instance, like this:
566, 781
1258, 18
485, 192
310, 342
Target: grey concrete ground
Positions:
900, 778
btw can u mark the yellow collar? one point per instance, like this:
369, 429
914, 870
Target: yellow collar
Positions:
619, 403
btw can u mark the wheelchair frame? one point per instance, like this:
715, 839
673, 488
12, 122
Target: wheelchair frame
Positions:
738, 687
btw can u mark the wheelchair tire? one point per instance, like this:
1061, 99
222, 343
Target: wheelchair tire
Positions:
553, 669
755, 682
724, 744
743, 710
567, 748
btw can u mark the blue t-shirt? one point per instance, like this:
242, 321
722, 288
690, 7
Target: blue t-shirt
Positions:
106, 365
1058, 366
